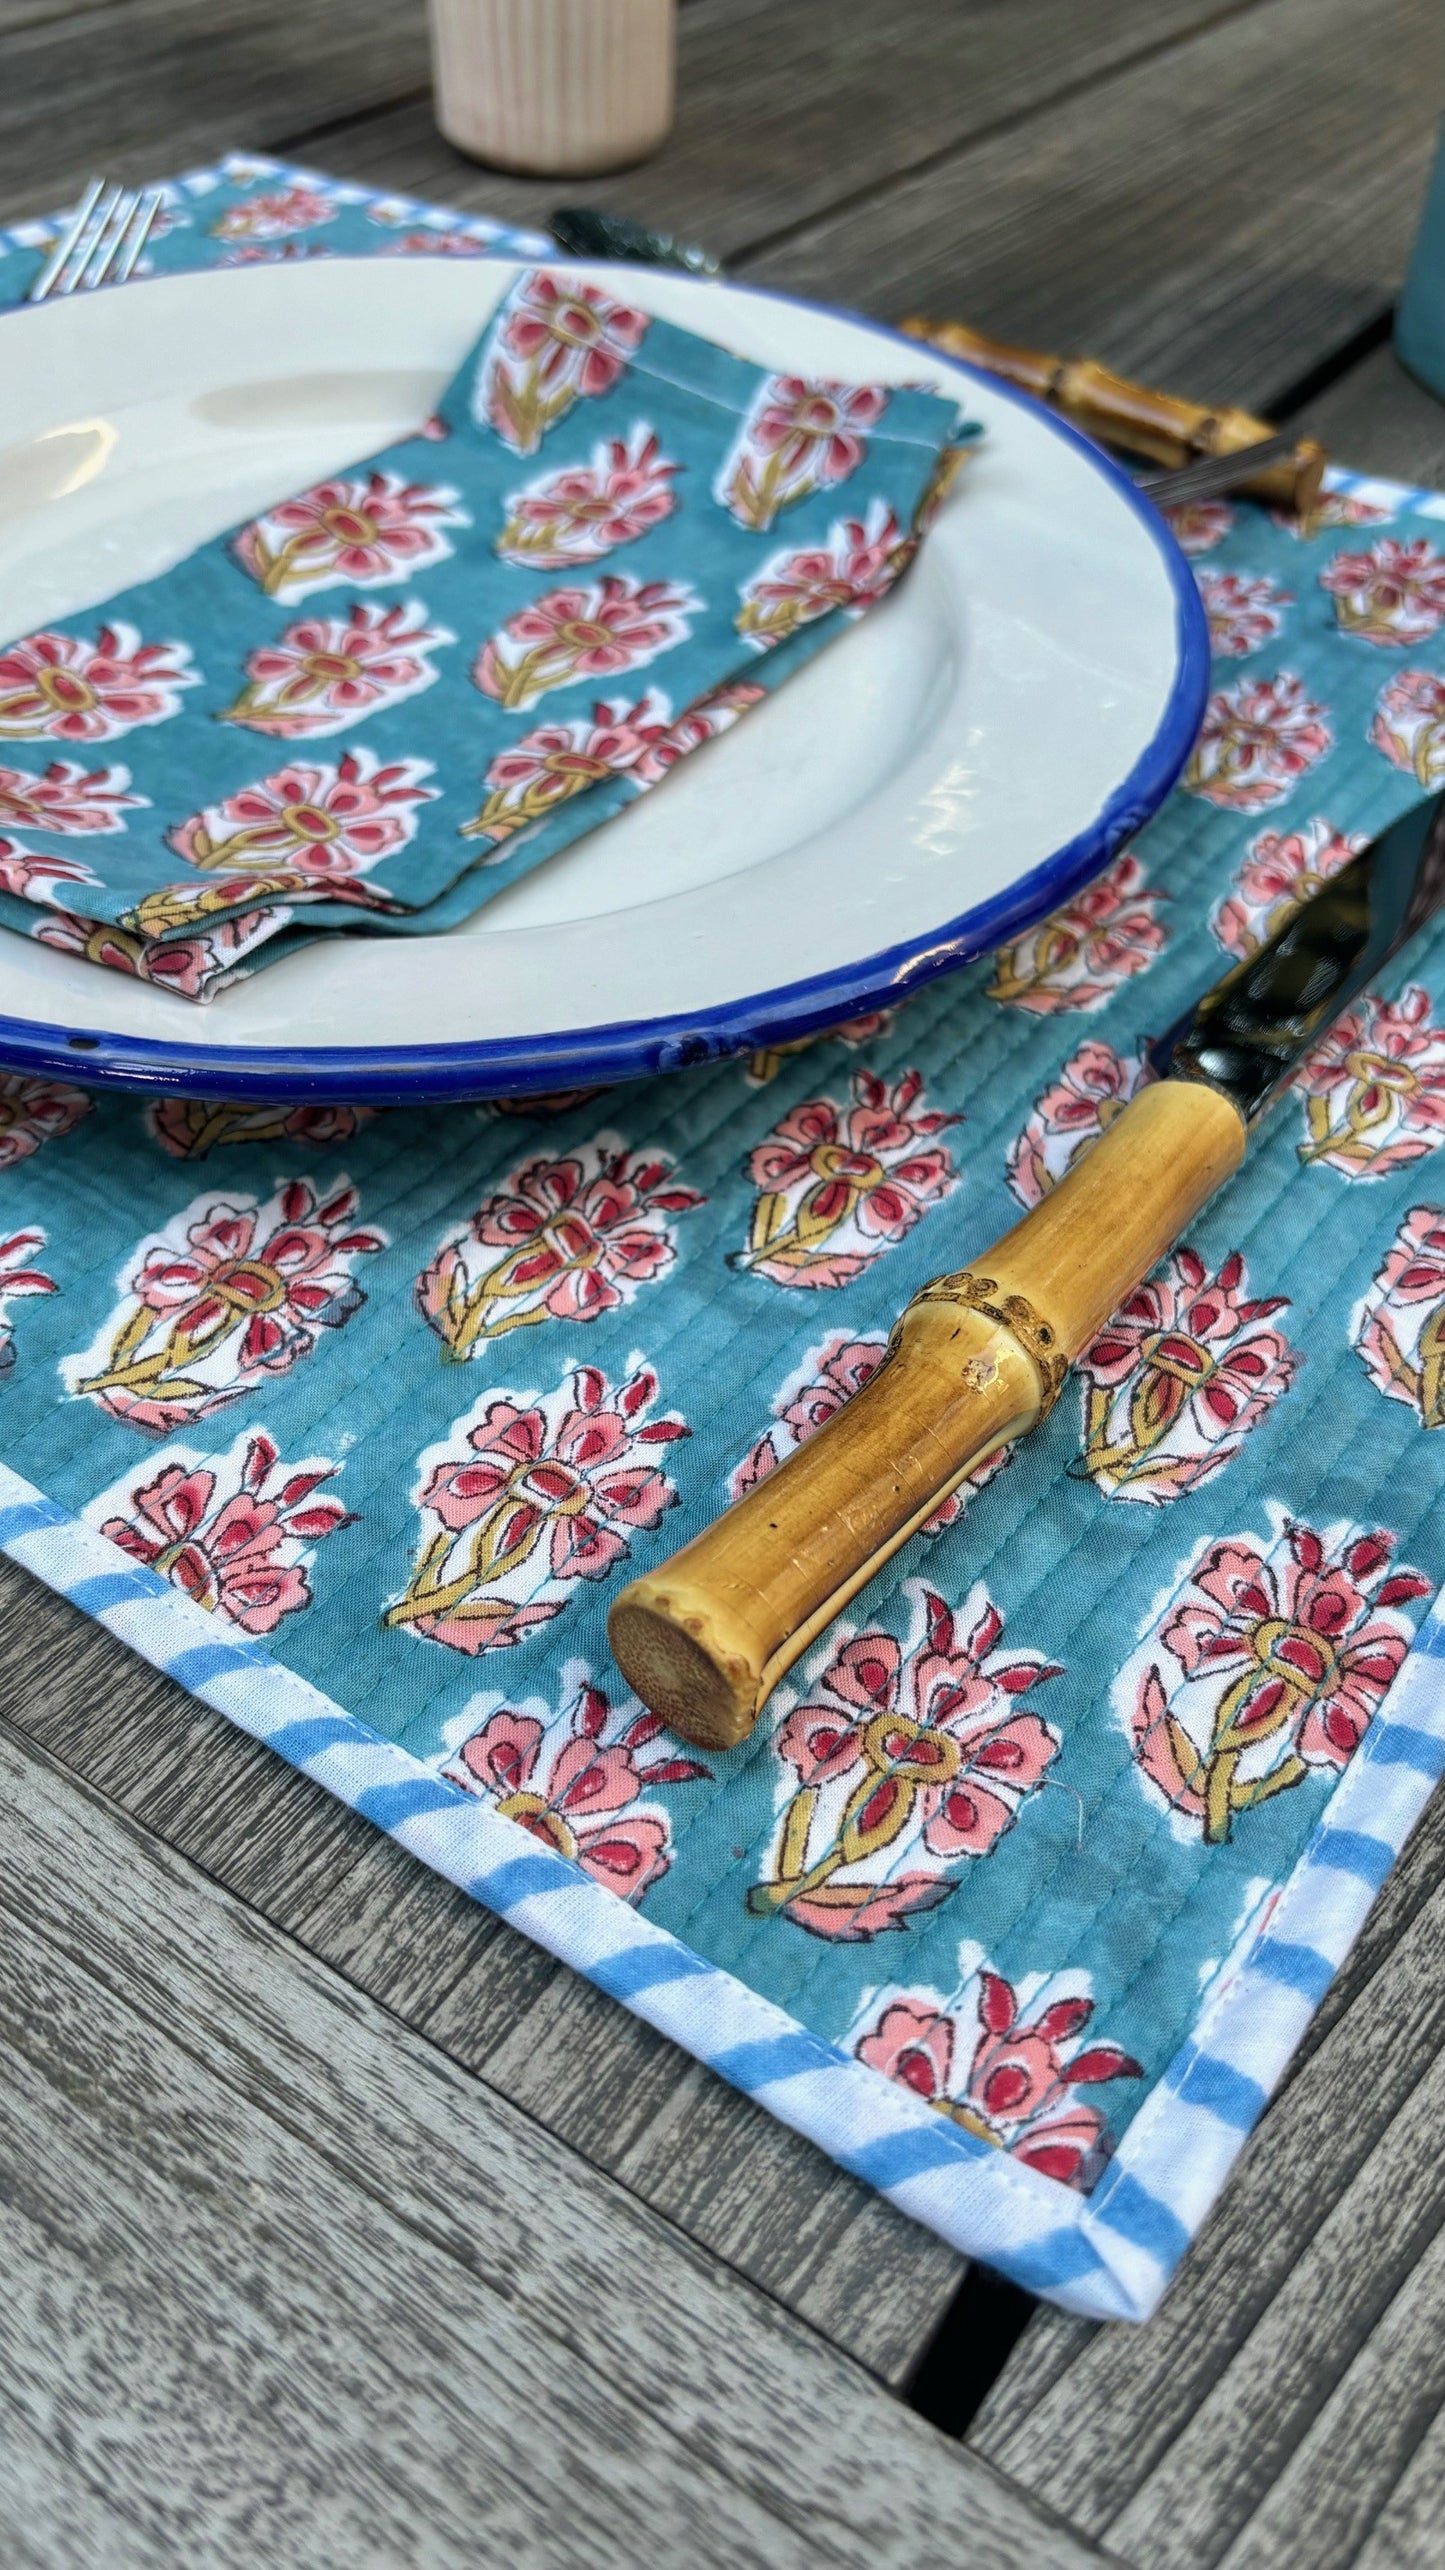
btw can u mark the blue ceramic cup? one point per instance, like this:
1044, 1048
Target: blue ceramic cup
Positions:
1420, 317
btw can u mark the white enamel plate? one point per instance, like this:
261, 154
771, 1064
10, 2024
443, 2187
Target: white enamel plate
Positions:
930, 785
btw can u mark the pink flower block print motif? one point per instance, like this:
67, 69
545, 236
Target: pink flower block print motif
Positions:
839, 1185
1199, 525
1259, 737
235, 1534
828, 1376
274, 254
19, 1275
271, 217
1008, 2077
704, 720
762, 1068
543, 1103
33, 1112
1175, 1382
1332, 509
54, 687
329, 672
798, 437
1283, 869
1094, 1086
569, 635
900, 1769
546, 767
530, 1493
580, 1783
193, 967
38, 878
563, 1240
189, 1128
435, 245
1374, 1087
70, 800
1399, 1328
1409, 725
575, 517
557, 344
363, 532
1078, 958
1264, 1664
313, 827
227, 1296
858, 565
1393, 595
1244, 612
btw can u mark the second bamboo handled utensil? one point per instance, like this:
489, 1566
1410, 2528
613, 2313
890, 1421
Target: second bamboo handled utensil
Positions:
979, 1357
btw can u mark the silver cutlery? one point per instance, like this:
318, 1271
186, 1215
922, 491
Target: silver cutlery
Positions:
101, 242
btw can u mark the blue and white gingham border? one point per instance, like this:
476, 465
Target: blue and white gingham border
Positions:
239, 167
1108, 2255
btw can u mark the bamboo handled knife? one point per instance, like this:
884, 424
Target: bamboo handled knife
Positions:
979, 1357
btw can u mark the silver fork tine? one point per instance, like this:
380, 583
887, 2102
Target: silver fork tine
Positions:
112, 231
137, 233
60, 255
79, 259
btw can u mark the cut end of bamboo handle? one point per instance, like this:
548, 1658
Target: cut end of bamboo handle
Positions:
977, 1358
1164, 426
681, 1665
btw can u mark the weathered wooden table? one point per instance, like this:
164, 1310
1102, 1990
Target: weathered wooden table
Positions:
340, 2227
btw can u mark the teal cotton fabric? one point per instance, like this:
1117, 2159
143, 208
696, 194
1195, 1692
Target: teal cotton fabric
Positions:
385, 699
403, 1398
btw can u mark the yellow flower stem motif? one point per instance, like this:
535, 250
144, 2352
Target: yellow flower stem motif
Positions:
901, 1757
488, 1556
753, 497
126, 1372
1055, 949
183, 906
1379, 1087
465, 1314
504, 812
1422, 1384
1215, 1777
526, 413
818, 1216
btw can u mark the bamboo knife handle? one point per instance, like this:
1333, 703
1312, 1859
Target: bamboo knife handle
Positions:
976, 1360
1119, 413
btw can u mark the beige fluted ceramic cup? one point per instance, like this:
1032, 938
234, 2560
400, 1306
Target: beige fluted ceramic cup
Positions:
561, 87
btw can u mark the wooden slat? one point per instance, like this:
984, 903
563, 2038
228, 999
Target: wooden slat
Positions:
283, 2286
742, 2186
786, 111
151, 87
1379, 420
1267, 2411
1216, 221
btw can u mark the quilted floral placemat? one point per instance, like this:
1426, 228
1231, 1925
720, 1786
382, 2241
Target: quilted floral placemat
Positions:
354, 1422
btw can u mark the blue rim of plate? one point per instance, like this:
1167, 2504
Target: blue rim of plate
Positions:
635, 1048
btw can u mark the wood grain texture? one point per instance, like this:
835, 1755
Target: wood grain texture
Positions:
1268, 2410
1378, 419
786, 111
146, 88
509, 2361
1214, 221
754, 2194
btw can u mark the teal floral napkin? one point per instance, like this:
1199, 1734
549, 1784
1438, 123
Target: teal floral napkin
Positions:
385, 698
